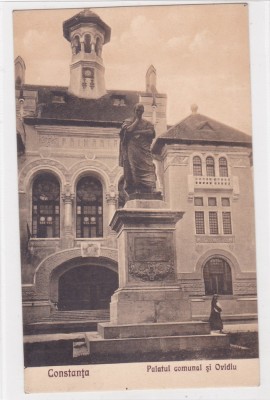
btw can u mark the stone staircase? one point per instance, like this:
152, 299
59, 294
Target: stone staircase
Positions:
78, 315
68, 321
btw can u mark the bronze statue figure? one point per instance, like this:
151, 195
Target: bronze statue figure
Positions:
136, 137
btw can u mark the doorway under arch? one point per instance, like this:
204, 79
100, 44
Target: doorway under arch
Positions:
86, 288
217, 276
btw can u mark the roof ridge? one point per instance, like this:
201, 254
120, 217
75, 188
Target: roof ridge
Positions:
175, 125
207, 119
43, 86
223, 124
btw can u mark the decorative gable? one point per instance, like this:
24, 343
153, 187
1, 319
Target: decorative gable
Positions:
205, 125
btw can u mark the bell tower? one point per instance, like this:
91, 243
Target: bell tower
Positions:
87, 34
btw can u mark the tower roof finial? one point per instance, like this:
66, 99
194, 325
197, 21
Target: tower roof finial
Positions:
194, 108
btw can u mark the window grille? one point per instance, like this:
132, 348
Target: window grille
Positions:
199, 222
210, 166
197, 166
46, 207
223, 167
227, 223
89, 208
213, 223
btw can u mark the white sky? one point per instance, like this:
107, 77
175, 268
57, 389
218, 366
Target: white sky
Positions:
200, 52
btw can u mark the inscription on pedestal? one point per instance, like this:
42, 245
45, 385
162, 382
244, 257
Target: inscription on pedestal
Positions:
151, 258
151, 249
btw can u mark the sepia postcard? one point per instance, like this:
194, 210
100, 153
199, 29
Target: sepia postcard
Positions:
136, 199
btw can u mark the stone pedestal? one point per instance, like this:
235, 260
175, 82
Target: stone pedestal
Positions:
149, 305
149, 313
147, 265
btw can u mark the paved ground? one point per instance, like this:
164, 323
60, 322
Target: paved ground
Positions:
228, 327
234, 327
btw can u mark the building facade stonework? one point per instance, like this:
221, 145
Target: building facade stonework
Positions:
70, 185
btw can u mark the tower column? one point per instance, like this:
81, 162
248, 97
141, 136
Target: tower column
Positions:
82, 45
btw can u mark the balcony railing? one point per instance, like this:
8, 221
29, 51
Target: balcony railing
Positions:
213, 181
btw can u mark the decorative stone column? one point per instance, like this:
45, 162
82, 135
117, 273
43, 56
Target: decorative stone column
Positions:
93, 47
73, 48
21, 103
68, 197
111, 199
82, 45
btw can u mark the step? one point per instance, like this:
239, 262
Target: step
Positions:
229, 317
78, 315
110, 331
44, 327
97, 346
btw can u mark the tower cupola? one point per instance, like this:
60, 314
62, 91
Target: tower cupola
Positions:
87, 34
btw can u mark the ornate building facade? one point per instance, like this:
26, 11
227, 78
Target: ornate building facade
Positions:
70, 185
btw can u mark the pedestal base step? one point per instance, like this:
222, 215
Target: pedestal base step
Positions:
97, 346
110, 331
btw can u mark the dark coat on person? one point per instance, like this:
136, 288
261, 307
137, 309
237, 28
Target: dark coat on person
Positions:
215, 316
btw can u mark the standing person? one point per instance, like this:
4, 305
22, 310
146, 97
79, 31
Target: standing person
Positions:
135, 156
215, 316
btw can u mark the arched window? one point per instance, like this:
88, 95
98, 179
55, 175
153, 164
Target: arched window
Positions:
121, 194
223, 167
89, 208
98, 47
197, 166
210, 166
217, 277
87, 43
46, 207
77, 44
18, 81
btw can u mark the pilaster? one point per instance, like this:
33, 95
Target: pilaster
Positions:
68, 198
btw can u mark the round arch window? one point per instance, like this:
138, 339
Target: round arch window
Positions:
217, 277
210, 166
197, 166
45, 207
89, 208
87, 43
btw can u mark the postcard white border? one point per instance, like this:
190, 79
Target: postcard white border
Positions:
11, 322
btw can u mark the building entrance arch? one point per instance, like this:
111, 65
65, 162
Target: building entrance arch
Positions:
86, 287
83, 283
52, 268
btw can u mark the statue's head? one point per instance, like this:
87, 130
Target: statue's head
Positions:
139, 110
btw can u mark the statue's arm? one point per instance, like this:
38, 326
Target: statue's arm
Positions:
144, 132
148, 131
130, 127
123, 131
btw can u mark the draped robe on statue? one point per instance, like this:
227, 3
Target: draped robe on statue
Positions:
136, 158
